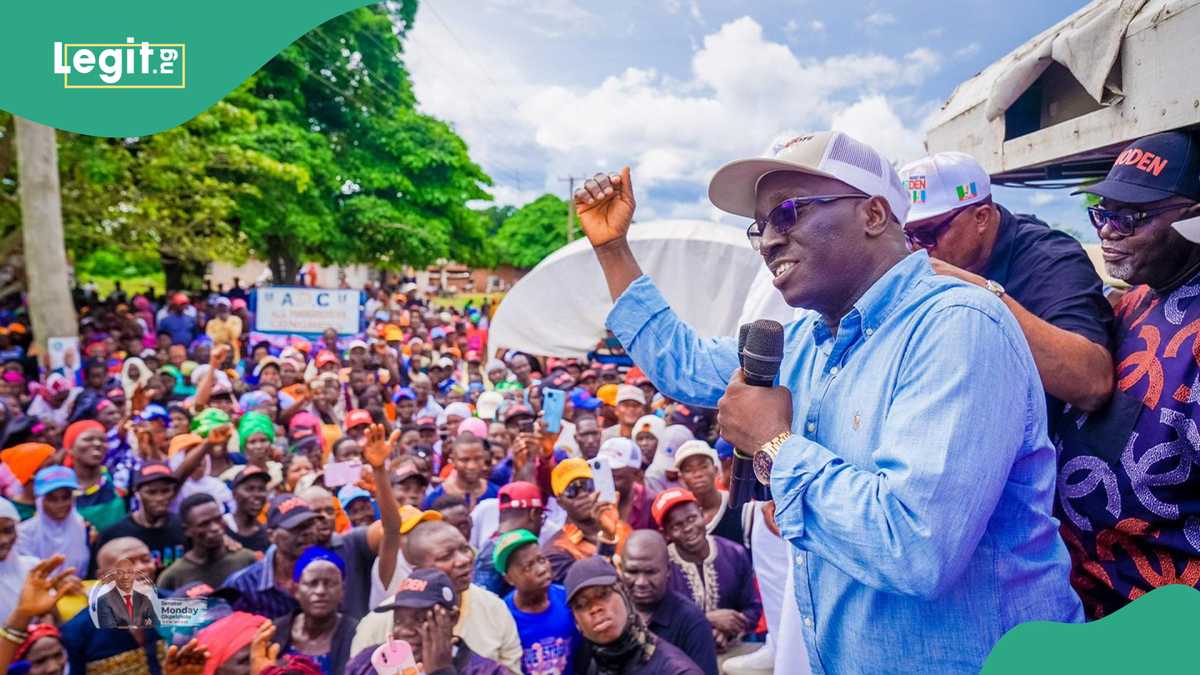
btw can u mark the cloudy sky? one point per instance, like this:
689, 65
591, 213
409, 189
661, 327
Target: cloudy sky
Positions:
543, 89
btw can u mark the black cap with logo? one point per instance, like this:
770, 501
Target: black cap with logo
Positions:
422, 589
1152, 169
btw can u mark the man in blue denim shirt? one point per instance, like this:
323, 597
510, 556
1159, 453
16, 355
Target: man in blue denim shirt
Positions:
914, 477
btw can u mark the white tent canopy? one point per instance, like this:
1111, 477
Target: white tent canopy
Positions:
705, 270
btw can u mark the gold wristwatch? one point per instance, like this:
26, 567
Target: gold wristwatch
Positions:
764, 459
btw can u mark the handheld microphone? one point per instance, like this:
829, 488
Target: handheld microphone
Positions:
760, 351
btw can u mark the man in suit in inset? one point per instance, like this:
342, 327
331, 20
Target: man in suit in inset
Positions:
124, 606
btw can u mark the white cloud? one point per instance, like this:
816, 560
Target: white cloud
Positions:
967, 51
1042, 198
878, 20
565, 12
676, 6
816, 25
740, 90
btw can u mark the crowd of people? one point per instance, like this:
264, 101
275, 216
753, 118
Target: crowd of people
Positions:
345, 492
330, 499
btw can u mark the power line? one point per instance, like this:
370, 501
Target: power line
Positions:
570, 181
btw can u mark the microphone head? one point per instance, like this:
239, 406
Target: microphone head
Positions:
762, 352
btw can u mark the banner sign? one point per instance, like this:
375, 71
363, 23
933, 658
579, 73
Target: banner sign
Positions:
307, 311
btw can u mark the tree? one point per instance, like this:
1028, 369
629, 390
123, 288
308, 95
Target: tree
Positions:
320, 155
535, 231
397, 182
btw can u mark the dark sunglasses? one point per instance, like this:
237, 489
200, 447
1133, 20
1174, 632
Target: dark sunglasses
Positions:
786, 214
578, 488
1125, 223
927, 236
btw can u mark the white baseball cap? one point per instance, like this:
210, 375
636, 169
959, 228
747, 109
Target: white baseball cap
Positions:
831, 154
628, 392
621, 453
940, 183
694, 448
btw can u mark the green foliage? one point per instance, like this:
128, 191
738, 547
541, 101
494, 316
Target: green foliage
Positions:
535, 231
113, 262
320, 155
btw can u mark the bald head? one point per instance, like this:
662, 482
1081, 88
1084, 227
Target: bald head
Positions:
426, 541
125, 552
439, 544
646, 545
314, 493
645, 568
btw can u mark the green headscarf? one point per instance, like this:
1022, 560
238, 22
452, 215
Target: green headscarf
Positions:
182, 388
207, 420
254, 422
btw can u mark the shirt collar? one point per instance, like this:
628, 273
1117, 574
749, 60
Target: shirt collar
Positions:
997, 267
888, 290
873, 308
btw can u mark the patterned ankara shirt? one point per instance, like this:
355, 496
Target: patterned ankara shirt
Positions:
1128, 491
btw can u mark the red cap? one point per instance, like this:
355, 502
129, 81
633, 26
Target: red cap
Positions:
357, 417
520, 495
667, 500
179, 299
473, 356
325, 357
426, 423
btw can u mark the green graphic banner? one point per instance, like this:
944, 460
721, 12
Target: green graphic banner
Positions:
134, 68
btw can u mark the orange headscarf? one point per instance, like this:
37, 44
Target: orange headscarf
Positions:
25, 459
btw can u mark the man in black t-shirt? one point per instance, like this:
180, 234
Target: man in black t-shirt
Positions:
153, 523
249, 498
208, 559
1043, 275
646, 570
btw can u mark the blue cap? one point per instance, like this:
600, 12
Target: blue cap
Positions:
155, 411
313, 554
350, 493
1152, 169
405, 393
724, 448
582, 400
437, 332
52, 478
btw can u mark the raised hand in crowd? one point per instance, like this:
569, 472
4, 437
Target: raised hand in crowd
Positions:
39, 593
220, 354
605, 205
139, 401
42, 589
263, 652
189, 659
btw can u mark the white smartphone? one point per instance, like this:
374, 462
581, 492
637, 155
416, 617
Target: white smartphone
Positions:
603, 478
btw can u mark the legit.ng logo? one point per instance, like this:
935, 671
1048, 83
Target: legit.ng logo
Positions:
121, 65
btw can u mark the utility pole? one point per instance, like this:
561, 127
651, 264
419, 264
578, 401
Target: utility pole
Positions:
50, 304
570, 180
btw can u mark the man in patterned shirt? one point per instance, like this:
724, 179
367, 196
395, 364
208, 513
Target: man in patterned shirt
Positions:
1126, 488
